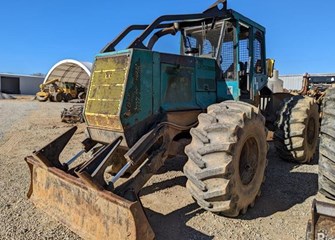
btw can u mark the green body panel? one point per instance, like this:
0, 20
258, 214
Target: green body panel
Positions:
206, 82
205, 74
131, 91
137, 101
177, 87
228, 90
156, 74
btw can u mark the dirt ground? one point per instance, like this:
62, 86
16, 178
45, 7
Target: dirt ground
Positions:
281, 212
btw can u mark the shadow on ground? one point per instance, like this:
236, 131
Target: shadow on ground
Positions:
174, 224
283, 187
282, 190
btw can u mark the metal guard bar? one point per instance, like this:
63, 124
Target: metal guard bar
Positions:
212, 12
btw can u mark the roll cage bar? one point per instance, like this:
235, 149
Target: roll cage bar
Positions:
215, 12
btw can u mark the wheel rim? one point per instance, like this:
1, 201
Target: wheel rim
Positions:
248, 161
311, 131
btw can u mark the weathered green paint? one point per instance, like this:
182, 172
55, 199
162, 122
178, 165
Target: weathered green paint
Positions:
177, 87
156, 83
137, 101
231, 90
131, 90
206, 75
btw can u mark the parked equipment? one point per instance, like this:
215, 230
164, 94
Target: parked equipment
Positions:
149, 104
56, 91
73, 91
73, 115
49, 90
316, 87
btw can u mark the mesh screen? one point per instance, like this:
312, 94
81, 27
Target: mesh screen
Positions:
191, 42
244, 51
204, 38
207, 47
227, 54
258, 52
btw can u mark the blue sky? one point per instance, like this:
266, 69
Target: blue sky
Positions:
36, 34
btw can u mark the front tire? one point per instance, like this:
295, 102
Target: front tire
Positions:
227, 158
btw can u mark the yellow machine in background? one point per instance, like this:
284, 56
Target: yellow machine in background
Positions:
56, 91
73, 91
47, 90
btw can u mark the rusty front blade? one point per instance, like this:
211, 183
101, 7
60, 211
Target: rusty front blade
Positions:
92, 214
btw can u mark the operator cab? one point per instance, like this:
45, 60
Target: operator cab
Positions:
235, 45
234, 42
202, 41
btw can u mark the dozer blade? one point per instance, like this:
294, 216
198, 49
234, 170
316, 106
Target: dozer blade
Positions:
89, 212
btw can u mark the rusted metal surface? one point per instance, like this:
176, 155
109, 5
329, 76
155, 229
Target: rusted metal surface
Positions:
106, 92
92, 172
84, 201
316, 90
90, 213
305, 85
322, 223
49, 155
104, 135
156, 145
73, 115
183, 118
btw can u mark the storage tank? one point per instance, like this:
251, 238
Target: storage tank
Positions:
274, 83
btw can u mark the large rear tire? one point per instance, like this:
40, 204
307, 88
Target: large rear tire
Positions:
297, 132
327, 146
57, 97
227, 158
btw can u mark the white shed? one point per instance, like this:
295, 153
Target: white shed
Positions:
294, 81
20, 84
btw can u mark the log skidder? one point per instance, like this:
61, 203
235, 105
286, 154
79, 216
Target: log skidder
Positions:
227, 158
143, 103
327, 146
297, 132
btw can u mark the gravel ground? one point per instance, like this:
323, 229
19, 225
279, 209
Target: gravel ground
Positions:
281, 212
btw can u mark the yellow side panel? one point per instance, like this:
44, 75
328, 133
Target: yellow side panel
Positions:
106, 92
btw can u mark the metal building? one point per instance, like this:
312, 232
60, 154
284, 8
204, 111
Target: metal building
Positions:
20, 84
294, 81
